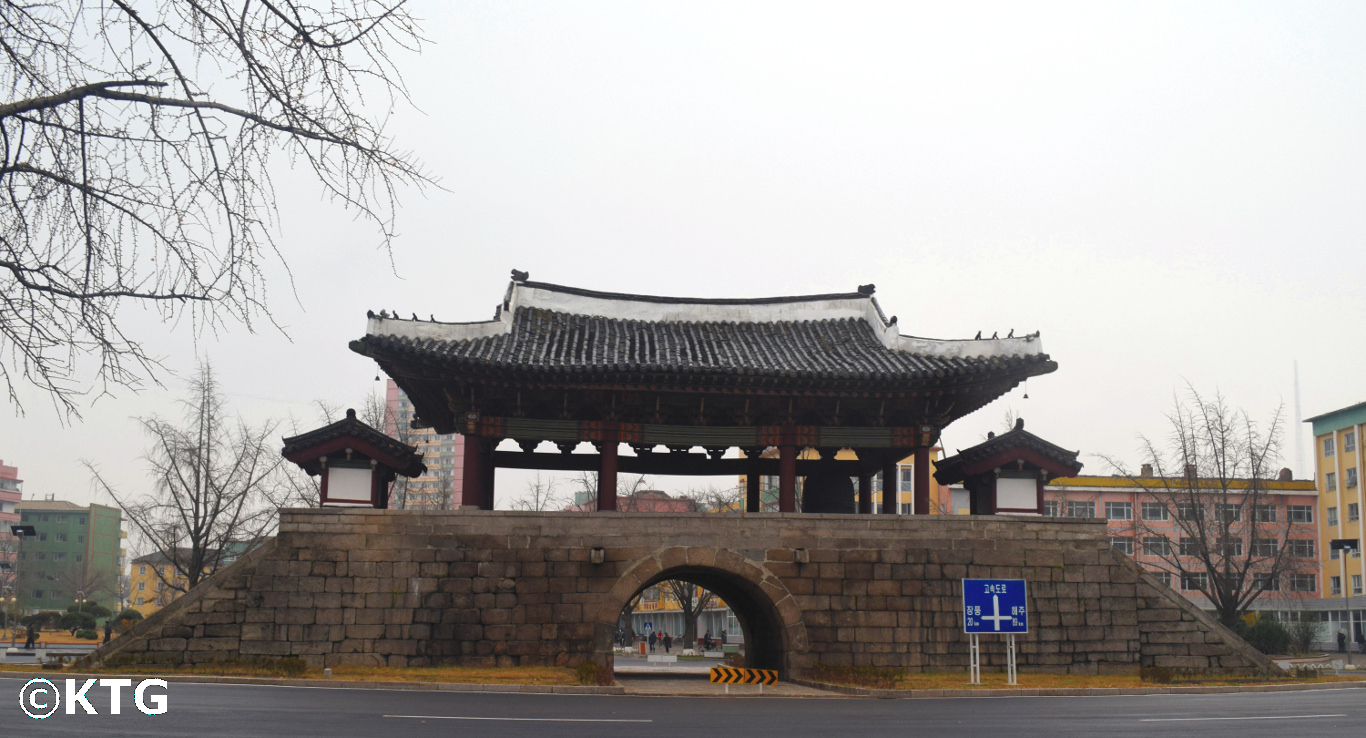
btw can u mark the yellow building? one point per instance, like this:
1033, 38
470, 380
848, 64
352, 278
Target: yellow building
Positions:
1337, 455
154, 582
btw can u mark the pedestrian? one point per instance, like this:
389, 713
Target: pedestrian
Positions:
668, 641
1342, 641
108, 628
31, 635
653, 637
723, 636
706, 641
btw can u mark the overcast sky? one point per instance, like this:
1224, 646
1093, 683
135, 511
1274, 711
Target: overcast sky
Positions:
1171, 193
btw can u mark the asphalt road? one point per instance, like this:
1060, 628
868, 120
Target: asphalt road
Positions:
233, 710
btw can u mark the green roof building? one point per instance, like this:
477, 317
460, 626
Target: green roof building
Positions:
75, 552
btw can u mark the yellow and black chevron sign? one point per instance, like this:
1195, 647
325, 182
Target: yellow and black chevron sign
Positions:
732, 675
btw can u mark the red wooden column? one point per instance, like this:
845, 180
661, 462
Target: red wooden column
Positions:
471, 483
487, 447
607, 473
787, 477
891, 482
922, 480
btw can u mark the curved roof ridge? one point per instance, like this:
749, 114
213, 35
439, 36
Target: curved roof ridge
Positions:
672, 300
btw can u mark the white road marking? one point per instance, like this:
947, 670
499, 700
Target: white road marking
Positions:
1249, 717
521, 720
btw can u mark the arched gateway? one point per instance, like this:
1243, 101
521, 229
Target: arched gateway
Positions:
665, 376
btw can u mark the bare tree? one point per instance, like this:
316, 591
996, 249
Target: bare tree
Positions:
693, 601
540, 496
214, 483
135, 150
718, 499
1212, 476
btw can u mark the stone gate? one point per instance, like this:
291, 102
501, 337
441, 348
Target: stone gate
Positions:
475, 587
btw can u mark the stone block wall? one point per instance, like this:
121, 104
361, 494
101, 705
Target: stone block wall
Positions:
474, 587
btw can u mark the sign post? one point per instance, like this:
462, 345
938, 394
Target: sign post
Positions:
993, 606
1343, 546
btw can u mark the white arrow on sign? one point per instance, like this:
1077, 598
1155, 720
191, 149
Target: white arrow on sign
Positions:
997, 617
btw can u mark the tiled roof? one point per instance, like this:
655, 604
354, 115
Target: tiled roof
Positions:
551, 332
950, 470
62, 505
351, 426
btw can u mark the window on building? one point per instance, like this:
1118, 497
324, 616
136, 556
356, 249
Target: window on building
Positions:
1332, 515
1154, 511
1123, 545
80, 557
1352, 478
1356, 584
1335, 585
1266, 582
1081, 509
142, 586
46, 518
1265, 547
37, 594
1301, 548
1229, 513
161, 586
1330, 481
1327, 447
1119, 511
1303, 583
1353, 512
80, 520
142, 570
1050, 508
1190, 547
1194, 580
60, 519
1189, 511
1300, 513
1333, 554
907, 479
1265, 514
41, 556
1233, 548
140, 601
42, 536
61, 537
1156, 546
59, 556
1349, 441
908, 508
80, 539
1163, 576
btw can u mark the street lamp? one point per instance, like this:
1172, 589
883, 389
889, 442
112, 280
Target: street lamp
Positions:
7, 600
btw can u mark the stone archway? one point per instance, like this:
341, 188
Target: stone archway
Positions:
769, 615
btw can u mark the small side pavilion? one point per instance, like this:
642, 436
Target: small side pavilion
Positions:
1007, 473
667, 375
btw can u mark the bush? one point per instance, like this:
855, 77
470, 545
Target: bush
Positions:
587, 672
1303, 632
126, 620
1267, 635
87, 634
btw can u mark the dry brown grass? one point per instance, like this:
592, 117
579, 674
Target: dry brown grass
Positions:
997, 680
539, 675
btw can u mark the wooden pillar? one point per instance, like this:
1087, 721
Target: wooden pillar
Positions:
787, 478
865, 494
607, 473
922, 480
471, 486
753, 481
891, 482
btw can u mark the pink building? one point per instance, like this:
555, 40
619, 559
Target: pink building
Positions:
439, 488
1144, 523
11, 491
646, 500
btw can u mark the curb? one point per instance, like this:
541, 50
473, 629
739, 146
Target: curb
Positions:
349, 684
910, 694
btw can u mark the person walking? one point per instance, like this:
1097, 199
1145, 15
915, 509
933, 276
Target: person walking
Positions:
706, 641
30, 636
653, 637
108, 628
668, 641
723, 636
1342, 641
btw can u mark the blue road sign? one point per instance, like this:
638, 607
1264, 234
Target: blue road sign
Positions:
649, 625
994, 606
